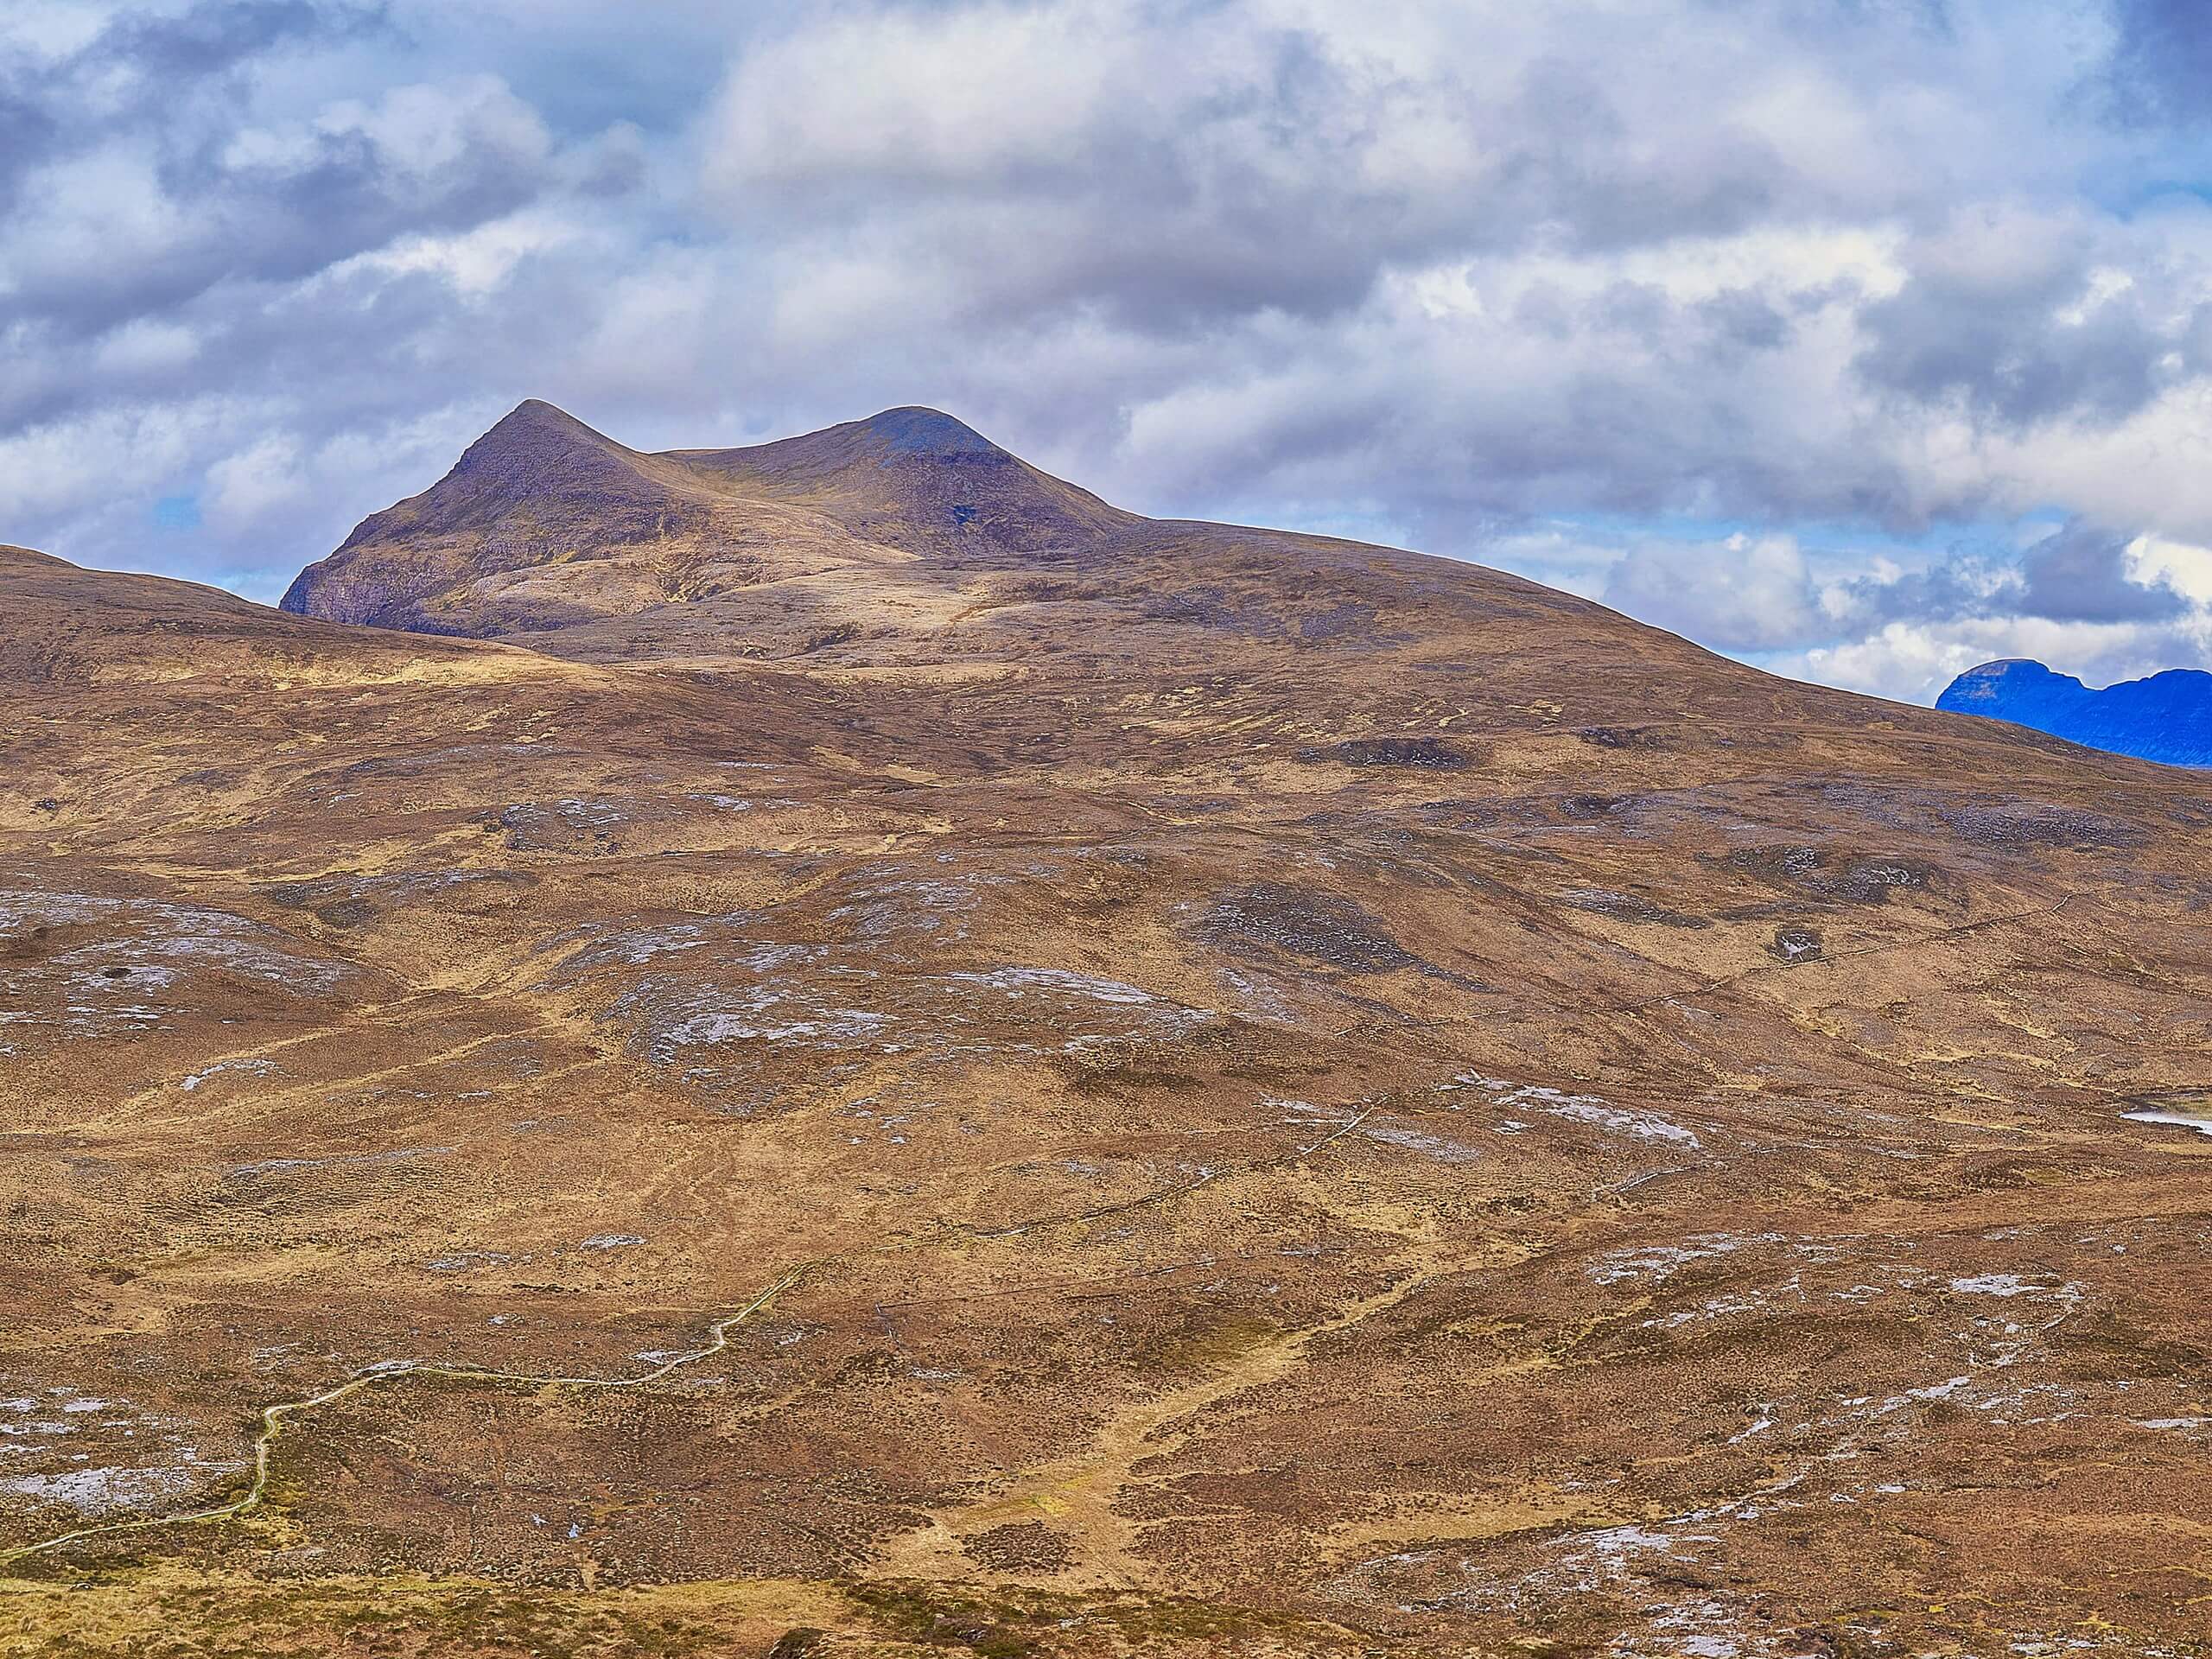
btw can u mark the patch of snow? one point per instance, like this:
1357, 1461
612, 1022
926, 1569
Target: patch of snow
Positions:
257, 1068
96, 1491
1994, 1284
1015, 981
1429, 1145
1661, 1262
1614, 1120
2201, 1121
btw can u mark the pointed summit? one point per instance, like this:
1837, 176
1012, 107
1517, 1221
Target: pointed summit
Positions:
534, 414
917, 478
535, 448
539, 487
918, 431
536, 426
534, 421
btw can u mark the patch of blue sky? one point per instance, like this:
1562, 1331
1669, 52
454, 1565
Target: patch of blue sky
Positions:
176, 512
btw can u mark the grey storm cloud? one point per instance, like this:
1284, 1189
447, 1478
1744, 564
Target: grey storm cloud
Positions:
2080, 575
2079, 572
1964, 584
1707, 279
148, 68
2011, 318
1179, 166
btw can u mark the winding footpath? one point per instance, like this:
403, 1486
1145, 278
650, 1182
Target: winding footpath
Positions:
274, 1417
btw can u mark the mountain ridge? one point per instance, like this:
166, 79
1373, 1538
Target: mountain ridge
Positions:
544, 522
2165, 717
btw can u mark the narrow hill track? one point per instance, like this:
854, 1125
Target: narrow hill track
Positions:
274, 1417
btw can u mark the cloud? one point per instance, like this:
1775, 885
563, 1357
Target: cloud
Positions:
1177, 163
2024, 317
2106, 607
2082, 574
1742, 593
1770, 324
2161, 60
2077, 573
70, 75
1915, 661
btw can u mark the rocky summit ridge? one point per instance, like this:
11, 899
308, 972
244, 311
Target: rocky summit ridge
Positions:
545, 522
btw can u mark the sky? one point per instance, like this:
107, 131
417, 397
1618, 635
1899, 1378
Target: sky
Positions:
1864, 340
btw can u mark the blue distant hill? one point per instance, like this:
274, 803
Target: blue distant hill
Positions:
2167, 717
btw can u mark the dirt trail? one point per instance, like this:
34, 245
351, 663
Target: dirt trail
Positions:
274, 1417
1079, 1491
1144, 1420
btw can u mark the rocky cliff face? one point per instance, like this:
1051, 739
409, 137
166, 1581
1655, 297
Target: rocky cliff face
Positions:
2166, 717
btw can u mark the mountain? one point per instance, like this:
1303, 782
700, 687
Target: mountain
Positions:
544, 523
2166, 717
919, 479
907, 1055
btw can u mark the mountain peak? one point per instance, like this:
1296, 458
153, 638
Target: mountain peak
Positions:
533, 409
616, 529
2166, 717
2007, 676
534, 431
918, 479
914, 429
533, 452
539, 486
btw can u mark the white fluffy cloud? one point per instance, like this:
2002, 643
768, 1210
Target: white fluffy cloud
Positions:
1772, 324
1743, 593
1917, 659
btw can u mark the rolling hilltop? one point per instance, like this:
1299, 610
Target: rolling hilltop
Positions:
1318, 1099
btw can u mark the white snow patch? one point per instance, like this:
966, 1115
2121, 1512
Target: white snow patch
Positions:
2201, 1121
1995, 1284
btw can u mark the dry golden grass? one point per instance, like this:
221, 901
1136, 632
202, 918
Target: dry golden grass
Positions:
1284, 1066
